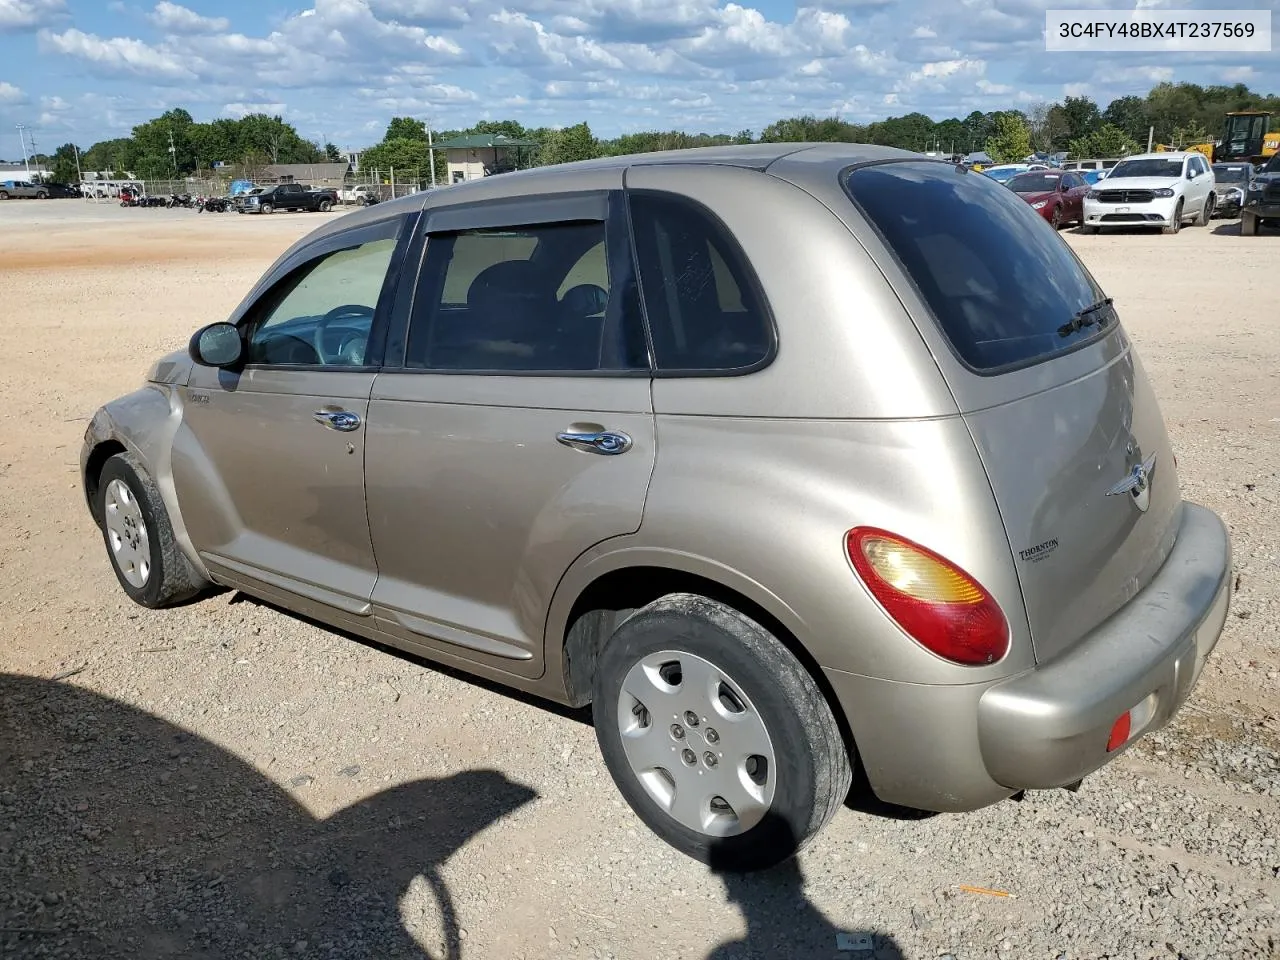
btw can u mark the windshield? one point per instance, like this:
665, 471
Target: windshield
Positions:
1002, 285
1232, 174
1035, 182
1151, 167
1273, 165
1002, 174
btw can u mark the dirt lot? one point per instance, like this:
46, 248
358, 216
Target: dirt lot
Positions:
226, 780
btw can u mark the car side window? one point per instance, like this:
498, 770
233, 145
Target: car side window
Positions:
528, 299
705, 312
322, 313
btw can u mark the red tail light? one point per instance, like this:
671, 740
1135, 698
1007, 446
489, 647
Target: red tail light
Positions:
1119, 732
938, 605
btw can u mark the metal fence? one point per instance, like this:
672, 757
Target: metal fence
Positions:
385, 184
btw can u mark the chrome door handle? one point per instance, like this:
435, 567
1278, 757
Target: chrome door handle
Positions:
607, 442
343, 420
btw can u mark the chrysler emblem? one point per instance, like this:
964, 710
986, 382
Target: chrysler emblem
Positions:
1137, 484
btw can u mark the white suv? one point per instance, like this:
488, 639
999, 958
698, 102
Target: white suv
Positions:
1153, 190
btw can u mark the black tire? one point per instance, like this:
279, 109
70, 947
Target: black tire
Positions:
813, 772
266, 208
170, 579
1248, 224
361, 201
1206, 212
1176, 225
1055, 219
325, 206
4, 195
41, 195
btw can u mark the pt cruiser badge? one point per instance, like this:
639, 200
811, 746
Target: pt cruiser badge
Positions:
1137, 483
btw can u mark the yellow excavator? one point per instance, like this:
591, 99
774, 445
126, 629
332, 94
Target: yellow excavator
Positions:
1244, 137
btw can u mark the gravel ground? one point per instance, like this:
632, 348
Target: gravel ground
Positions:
227, 780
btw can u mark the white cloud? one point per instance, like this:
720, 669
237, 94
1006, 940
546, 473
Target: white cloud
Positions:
178, 19
116, 55
923, 33
11, 94
23, 15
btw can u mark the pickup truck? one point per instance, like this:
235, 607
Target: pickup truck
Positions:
22, 188
285, 196
361, 194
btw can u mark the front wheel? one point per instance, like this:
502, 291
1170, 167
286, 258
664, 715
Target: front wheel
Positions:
267, 208
1176, 224
361, 201
716, 735
1248, 224
139, 538
41, 195
1055, 219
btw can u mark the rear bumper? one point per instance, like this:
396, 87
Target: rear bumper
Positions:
1268, 211
964, 746
1049, 727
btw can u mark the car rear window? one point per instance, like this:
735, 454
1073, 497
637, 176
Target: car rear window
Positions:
1002, 285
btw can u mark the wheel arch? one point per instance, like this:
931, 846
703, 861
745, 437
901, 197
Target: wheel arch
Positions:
599, 594
96, 459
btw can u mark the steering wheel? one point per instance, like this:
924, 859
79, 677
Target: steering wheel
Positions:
351, 349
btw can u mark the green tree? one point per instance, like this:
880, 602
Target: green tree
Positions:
570, 144
405, 128
1010, 139
332, 154
409, 158
1081, 116
1130, 115
1107, 141
62, 166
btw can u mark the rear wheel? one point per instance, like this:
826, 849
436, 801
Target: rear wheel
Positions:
139, 538
1206, 212
716, 735
4, 194
361, 201
1176, 224
325, 206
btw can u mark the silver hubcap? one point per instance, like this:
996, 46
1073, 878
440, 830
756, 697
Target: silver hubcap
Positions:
696, 743
127, 533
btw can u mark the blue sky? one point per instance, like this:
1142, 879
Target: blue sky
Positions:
85, 70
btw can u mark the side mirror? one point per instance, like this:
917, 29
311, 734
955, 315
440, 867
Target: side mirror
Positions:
217, 345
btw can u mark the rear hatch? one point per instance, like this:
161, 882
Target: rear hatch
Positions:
1054, 395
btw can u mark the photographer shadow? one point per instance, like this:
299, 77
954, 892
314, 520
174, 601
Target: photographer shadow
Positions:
781, 921
122, 835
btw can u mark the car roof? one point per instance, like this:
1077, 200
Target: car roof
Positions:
1167, 155
821, 161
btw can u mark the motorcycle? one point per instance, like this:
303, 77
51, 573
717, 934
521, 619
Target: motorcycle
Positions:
179, 200
213, 205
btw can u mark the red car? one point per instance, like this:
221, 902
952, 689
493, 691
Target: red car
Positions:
1057, 194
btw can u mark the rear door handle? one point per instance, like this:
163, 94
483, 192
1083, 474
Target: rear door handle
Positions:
343, 420
608, 443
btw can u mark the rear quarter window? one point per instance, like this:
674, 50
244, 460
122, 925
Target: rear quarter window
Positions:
999, 281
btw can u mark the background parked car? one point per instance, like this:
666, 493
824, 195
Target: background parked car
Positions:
23, 189
1233, 181
1058, 196
1153, 190
1091, 177
1262, 202
1007, 171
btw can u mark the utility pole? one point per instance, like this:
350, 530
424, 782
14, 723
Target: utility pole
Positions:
34, 154
173, 153
26, 162
79, 174
431, 152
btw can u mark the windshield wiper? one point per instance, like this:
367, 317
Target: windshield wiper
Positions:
1086, 318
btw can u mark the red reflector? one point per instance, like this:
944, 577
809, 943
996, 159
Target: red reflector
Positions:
1119, 733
